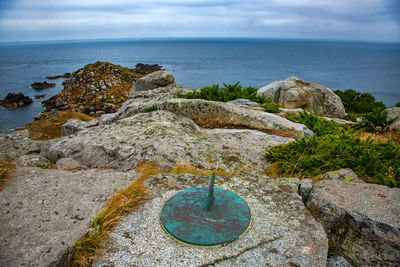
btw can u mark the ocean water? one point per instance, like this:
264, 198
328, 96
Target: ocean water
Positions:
365, 67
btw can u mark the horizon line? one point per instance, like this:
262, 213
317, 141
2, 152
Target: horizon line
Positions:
197, 38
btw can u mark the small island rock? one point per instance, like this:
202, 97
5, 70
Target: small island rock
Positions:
15, 100
43, 85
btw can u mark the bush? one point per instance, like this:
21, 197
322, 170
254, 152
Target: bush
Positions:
151, 108
332, 147
356, 102
375, 121
227, 93
398, 104
270, 107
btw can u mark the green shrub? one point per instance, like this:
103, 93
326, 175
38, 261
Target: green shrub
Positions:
271, 107
375, 121
151, 108
398, 104
226, 93
356, 102
334, 146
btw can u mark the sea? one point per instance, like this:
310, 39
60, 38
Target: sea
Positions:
198, 62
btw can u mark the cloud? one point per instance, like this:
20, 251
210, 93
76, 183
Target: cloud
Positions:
331, 19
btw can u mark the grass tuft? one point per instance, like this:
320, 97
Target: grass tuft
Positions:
6, 169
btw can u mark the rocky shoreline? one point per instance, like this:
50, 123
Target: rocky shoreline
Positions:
108, 120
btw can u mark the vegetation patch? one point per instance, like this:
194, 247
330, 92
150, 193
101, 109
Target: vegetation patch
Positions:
6, 169
332, 147
49, 126
151, 108
356, 102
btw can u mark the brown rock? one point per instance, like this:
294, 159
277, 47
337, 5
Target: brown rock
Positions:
43, 85
15, 100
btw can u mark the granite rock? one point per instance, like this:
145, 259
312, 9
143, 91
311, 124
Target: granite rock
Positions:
305, 188
153, 80
296, 93
44, 212
346, 175
282, 231
361, 220
72, 126
394, 112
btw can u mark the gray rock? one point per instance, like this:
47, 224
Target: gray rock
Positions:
67, 164
167, 139
17, 143
305, 187
153, 80
337, 261
34, 160
72, 126
392, 113
293, 111
212, 114
296, 93
44, 212
362, 220
346, 175
245, 102
143, 99
341, 121
282, 232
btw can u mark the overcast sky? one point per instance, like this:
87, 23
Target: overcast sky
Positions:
366, 20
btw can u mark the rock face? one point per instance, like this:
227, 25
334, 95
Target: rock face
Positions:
43, 85
73, 126
362, 220
245, 102
167, 139
145, 69
44, 212
17, 144
153, 80
140, 240
392, 113
100, 86
143, 99
296, 93
211, 114
15, 100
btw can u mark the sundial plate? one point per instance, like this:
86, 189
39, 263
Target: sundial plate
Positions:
185, 218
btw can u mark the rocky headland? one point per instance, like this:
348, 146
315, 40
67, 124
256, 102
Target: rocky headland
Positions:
94, 170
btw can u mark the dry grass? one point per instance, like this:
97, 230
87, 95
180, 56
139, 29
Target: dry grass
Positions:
381, 137
183, 168
6, 169
125, 201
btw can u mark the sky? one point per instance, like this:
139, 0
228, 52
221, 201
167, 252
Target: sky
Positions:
359, 20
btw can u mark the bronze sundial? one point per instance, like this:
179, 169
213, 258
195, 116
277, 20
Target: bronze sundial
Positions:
206, 216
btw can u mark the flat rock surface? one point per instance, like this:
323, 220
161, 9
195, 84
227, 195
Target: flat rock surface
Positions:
44, 212
362, 220
17, 143
167, 139
282, 231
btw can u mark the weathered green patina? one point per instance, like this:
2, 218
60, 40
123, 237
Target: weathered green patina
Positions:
206, 216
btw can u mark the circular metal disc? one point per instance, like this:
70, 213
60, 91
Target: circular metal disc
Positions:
185, 219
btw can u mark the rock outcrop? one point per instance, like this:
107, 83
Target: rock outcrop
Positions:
15, 100
211, 114
296, 93
362, 220
166, 139
17, 144
42, 85
44, 212
95, 89
153, 80
72, 126
394, 112
282, 231
66, 75
346, 175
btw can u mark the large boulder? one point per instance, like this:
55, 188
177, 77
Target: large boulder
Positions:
44, 212
296, 93
394, 112
72, 126
212, 114
362, 220
346, 175
282, 231
153, 80
167, 139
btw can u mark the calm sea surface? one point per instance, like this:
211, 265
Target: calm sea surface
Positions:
366, 67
